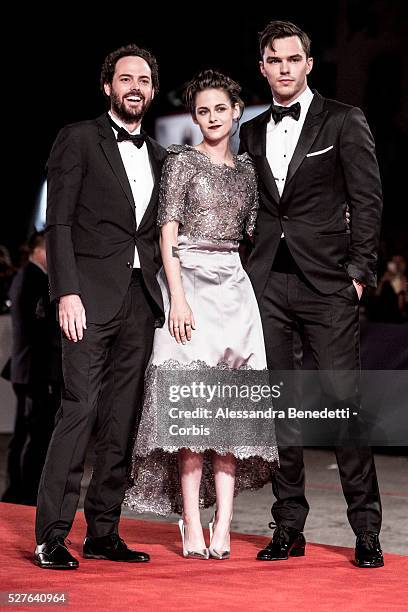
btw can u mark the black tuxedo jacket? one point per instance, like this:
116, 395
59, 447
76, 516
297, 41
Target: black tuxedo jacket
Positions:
333, 165
91, 228
35, 353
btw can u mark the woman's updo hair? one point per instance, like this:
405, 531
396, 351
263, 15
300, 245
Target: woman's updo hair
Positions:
212, 79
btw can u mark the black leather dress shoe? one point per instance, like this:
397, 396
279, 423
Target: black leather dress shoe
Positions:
286, 542
368, 551
112, 548
54, 554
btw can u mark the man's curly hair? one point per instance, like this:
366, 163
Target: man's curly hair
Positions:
108, 66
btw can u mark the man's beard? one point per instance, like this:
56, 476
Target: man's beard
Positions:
132, 116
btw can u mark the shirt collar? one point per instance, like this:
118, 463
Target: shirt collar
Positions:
304, 100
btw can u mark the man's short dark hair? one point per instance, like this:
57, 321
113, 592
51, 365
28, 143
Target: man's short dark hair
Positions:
282, 29
108, 66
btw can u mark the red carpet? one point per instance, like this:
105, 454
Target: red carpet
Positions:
323, 580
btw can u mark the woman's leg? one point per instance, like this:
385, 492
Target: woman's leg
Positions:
190, 469
224, 476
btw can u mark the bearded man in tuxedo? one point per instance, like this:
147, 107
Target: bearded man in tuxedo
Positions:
102, 251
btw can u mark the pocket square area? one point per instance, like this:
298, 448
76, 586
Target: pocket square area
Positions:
319, 152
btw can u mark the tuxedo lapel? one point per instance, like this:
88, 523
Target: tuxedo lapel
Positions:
311, 127
265, 173
257, 148
155, 157
111, 151
257, 134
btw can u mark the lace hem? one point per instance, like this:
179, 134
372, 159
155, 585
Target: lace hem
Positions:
146, 440
154, 478
155, 485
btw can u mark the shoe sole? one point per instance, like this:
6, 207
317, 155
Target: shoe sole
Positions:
103, 558
56, 567
369, 565
294, 552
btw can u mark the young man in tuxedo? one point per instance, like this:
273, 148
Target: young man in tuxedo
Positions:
102, 251
315, 158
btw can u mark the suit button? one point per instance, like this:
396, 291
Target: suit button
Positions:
285, 218
129, 264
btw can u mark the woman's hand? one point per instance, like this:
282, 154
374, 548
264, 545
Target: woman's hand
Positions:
181, 319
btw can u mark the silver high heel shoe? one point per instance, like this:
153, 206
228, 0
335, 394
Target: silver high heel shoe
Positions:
191, 554
218, 554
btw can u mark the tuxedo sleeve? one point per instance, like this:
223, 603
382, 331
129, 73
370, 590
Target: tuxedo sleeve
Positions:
64, 179
363, 186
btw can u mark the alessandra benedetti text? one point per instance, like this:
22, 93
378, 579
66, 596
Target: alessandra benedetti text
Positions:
269, 413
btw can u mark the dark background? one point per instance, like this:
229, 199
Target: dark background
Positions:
51, 73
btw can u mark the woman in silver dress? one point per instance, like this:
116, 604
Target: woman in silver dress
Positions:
208, 200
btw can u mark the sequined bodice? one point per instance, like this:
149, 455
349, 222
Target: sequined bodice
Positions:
211, 201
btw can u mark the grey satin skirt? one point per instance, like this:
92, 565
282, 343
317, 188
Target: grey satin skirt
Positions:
228, 335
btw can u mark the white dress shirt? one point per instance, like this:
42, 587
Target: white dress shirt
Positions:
282, 138
139, 173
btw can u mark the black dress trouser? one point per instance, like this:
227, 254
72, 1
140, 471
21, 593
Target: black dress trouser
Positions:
14, 491
293, 311
42, 403
103, 388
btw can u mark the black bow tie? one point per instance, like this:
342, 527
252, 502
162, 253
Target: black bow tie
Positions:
279, 112
137, 139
